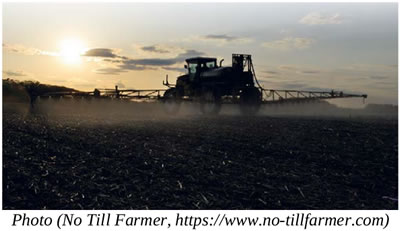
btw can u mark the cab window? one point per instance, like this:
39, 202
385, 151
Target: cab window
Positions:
192, 68
210, 64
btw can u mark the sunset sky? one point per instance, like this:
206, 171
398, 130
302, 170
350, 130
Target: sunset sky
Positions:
308, 46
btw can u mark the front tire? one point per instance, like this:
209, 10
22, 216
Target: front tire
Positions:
171, 101
210, 102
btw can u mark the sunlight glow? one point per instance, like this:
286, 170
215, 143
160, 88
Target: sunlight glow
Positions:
71, 50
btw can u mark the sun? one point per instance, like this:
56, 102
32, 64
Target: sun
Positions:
71, 50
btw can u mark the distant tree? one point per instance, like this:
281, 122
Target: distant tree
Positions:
29, 90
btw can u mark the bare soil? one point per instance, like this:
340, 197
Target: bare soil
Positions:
80, 161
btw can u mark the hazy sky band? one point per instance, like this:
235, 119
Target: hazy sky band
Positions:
349, 47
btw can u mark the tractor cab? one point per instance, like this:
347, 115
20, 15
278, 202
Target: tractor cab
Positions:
199, 64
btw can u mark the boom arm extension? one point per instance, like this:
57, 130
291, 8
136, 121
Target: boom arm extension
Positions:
277, 96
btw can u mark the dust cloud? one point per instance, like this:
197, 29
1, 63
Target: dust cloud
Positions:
116, 111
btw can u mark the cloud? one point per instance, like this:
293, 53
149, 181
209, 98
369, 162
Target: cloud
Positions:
371, 67
301, 86
289, 43
109, 71
24, 50
288, 68
152, 63
224, 37
384, 85
14, 73
155, 49
135, 67
102, 52
176, 69
317, 89
294, 68
376, 77
118, 64
299, 69
370, 72
309, 72
20, 49
95, 52
297, 85
271, 72
317, 18
189, 54
382, 82
290, 86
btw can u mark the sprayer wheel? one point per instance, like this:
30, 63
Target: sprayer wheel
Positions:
210, 102
171, 101
250, 101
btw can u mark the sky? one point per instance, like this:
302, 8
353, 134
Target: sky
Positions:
350, 47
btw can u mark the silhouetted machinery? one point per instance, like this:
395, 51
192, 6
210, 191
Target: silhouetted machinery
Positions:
210, 85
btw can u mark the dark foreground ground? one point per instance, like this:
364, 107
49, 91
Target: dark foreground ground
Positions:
194, 162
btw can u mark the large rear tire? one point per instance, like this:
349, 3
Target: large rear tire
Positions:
171, 101
210, 102
250, 101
